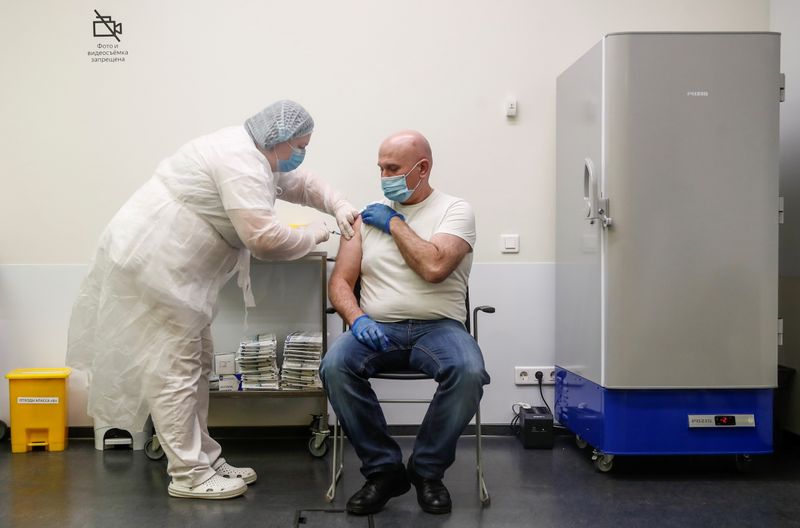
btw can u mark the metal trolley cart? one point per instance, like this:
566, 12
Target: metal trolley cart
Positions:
290, 296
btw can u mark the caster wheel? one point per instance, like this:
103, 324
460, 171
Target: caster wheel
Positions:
604, 463
153, 450
580, 442
744, 463
317, 450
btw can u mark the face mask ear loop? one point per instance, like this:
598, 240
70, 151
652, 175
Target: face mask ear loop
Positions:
275, 150
409, 172
277, 161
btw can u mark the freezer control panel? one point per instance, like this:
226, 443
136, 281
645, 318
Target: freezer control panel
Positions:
722, 420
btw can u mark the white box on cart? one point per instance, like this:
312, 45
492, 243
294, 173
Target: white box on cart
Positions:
225, 364
230, 382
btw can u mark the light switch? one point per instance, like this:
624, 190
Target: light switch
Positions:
509, 243
510, 106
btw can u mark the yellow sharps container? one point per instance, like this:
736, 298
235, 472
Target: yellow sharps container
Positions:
38, 400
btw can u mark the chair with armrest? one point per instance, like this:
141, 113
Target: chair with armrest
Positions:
337, 463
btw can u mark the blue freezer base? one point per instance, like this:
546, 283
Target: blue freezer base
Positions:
656, 421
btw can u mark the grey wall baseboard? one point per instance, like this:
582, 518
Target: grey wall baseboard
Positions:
299, 432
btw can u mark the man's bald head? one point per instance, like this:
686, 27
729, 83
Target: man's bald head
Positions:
408, 152
410, 142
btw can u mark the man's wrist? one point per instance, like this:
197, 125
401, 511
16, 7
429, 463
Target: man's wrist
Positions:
399, 217
357, 318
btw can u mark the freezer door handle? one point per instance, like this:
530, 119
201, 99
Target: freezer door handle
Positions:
782, 88
596, 207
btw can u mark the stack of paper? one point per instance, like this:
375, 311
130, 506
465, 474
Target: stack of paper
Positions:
302, 352
257, 362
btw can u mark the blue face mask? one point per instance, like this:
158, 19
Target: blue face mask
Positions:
395, 188
294, 161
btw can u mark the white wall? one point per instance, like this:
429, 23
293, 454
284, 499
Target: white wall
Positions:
76, 138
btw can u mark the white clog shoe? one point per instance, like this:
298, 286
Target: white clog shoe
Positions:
216, 487
228, 471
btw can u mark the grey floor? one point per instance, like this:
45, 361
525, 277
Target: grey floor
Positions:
558, 488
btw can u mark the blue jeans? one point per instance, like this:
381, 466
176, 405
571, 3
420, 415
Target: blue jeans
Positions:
444, 350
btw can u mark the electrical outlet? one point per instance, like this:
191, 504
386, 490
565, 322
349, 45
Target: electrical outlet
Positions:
527, 375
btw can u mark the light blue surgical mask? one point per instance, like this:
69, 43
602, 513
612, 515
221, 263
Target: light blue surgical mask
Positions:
294, 160
395, 188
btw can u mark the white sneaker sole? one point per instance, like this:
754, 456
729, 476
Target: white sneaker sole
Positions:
184, 493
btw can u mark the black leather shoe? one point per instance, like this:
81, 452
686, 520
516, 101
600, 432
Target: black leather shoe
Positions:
377, 491
432, 495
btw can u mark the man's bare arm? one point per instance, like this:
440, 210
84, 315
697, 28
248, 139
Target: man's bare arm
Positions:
345, 275
434, 261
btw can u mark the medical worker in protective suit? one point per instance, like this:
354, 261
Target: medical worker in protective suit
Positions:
140, 325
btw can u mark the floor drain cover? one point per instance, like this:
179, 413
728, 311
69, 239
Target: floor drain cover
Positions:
331, 519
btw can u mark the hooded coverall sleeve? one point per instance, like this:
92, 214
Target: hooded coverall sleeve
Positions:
247, 190
303, 187
267, 239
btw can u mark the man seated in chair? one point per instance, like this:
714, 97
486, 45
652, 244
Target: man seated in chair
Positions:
413, 254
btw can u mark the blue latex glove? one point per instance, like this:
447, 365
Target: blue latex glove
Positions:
370, 333
379, 215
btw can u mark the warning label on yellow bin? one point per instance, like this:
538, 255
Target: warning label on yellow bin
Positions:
39, 400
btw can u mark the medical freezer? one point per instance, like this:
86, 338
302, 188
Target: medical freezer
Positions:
667, 218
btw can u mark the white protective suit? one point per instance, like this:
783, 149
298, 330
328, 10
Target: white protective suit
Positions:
140, 325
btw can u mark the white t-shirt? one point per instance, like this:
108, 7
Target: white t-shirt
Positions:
390, 290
